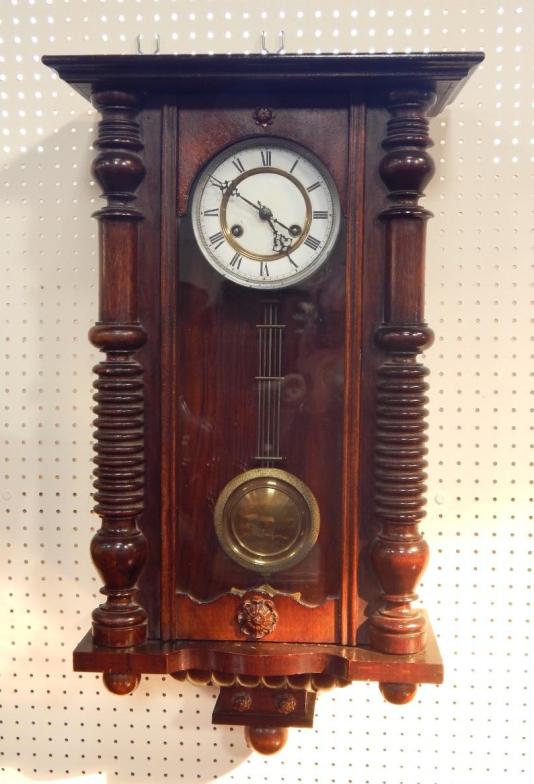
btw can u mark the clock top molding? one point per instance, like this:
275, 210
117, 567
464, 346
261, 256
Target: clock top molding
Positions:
326, 77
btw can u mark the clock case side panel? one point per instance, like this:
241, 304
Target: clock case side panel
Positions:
157, 258
372, 315
331, 622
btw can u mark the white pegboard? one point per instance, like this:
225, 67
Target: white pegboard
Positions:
64, 727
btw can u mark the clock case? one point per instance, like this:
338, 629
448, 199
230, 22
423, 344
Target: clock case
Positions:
175, 418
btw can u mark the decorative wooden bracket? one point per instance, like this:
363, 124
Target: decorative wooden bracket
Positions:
266, 713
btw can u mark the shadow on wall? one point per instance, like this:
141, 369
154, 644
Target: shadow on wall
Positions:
66, 723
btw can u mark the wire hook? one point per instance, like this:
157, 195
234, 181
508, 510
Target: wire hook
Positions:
139, 40
282, 38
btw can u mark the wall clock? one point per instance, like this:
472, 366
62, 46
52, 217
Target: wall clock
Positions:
260, 405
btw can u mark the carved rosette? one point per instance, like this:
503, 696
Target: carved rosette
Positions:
399, 554
263, 116
119, 547
257, 616
286, 703
242, 701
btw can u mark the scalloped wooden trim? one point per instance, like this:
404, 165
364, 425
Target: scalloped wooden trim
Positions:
306, 682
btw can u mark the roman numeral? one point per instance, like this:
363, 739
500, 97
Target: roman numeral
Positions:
239, 166
217, 239
320, 214
266, 157
264, 269
236, 261
212, 213
293, 263
294, 166
314, 186
311, 242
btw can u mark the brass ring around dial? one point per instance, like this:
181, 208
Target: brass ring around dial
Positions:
266, 520
228, 232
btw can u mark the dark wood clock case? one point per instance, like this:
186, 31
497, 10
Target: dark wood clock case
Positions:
175, 392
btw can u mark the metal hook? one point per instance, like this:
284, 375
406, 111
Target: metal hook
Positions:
282, 37
139, 40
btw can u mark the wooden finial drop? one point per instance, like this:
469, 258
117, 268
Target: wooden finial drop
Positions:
121, 682
266, 740
398, 693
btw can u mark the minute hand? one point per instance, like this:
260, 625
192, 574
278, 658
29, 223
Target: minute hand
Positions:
257, 207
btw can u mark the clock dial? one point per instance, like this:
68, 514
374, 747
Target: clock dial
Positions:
265, 213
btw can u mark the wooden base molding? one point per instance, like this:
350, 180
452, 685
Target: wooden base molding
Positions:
269, 665
266, 688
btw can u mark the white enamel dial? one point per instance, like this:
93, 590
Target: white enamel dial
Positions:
265, 213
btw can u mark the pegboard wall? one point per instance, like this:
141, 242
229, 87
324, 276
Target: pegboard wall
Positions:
59, 726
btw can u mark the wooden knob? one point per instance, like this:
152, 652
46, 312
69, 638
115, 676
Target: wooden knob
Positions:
398, 693
121, 682
266, 740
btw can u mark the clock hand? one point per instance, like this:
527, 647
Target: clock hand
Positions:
280, 241
223, 186
275, 220
235, 192
265, 212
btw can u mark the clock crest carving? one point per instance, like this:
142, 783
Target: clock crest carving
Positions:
261, 319
263, 115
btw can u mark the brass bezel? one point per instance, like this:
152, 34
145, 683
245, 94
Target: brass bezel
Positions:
224, 223
306, 538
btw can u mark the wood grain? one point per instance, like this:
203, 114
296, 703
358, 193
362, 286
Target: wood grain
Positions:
348, 663
217, 620
350, 608
204, 132
118, 548
149, 201
399, 554
169, 369
296, 80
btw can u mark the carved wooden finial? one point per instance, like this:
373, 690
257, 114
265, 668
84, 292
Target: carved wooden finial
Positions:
266, 740
398, 693
121, 683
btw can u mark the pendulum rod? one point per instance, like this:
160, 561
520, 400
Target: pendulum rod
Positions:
269, 380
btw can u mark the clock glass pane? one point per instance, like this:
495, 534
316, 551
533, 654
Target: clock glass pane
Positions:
260, 344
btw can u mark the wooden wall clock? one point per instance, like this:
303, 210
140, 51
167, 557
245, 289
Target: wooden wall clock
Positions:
260, 406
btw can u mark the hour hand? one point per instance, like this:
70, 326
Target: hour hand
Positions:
280, 241
223, 186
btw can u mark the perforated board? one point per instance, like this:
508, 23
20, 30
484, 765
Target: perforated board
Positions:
64, 727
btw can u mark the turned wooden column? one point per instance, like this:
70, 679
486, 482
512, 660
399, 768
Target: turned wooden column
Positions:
399, 554
119, 547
